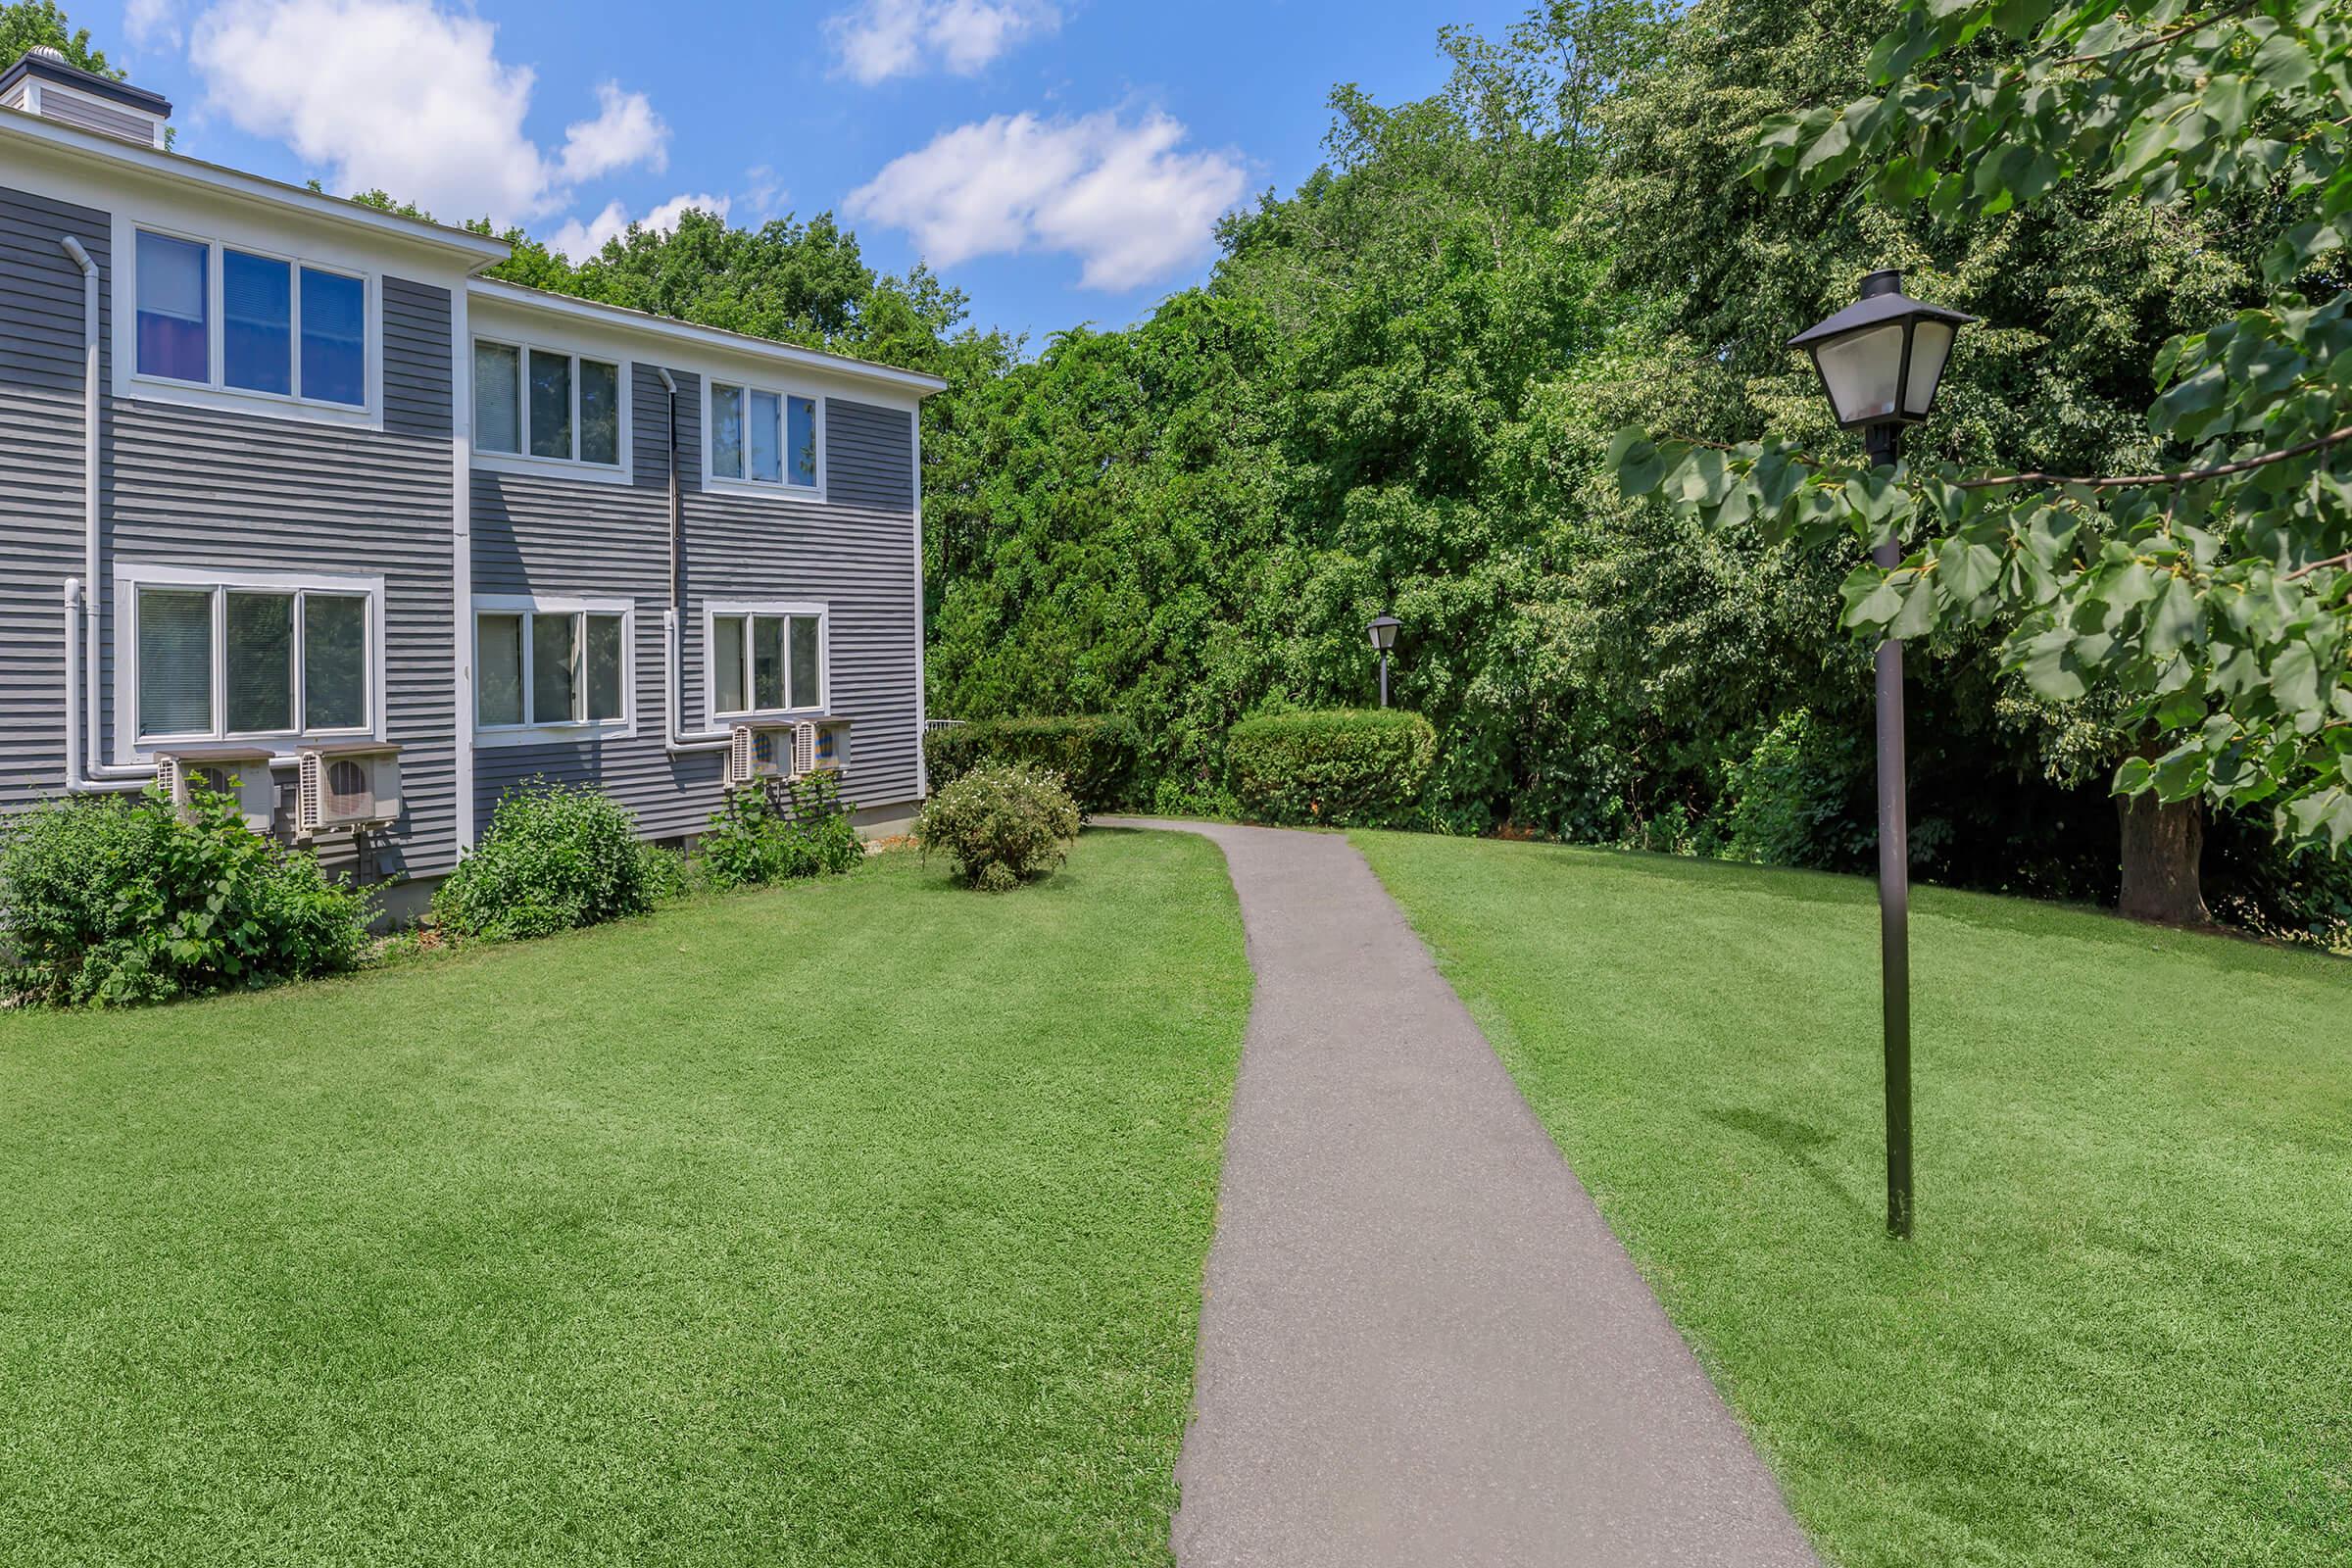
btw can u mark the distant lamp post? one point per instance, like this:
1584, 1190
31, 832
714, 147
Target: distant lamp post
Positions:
1384, 638
1881, 360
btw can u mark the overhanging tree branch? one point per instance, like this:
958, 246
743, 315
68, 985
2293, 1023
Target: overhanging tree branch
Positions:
2162, 38
2182, 477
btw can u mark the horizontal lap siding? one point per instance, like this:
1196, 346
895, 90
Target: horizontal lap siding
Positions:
553, 537
40, 479
576, 538
855, 552
205, 489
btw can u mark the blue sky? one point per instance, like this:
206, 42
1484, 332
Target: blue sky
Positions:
1062, 161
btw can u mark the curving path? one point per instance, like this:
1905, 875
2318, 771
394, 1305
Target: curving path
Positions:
1420, 1344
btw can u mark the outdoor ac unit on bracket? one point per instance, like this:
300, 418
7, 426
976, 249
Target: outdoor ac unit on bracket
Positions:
351, 786
225, 772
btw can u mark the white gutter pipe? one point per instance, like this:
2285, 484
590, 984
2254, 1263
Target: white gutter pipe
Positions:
82, 695
676, 740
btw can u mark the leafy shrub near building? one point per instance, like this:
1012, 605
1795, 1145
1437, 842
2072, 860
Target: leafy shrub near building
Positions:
556, 857
1002, 825
1093, 754
113, 901
756, 839
1338, 767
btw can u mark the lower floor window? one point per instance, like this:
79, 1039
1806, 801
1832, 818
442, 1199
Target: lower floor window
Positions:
767, 663
550, 666
217, 660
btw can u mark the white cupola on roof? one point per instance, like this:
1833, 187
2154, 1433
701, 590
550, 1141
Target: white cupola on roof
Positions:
44, 83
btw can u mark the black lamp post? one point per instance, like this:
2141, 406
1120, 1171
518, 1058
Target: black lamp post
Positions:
1881, 360
1384, 638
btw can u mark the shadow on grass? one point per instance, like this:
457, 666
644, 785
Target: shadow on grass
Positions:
1799, 1142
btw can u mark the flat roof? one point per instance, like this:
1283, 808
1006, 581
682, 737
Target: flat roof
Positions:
572, 307
480, 249
89, 81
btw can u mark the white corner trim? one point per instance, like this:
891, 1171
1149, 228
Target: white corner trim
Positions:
460, 560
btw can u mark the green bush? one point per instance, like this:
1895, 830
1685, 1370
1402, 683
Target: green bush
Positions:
755, 839
111, 902
1002, 825
556, 857
1093, 754
1342, 767
1800, 798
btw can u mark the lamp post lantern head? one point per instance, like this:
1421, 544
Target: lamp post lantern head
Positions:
1384, 631
1881, 358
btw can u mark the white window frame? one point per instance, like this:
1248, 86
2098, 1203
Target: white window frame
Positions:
712, 479
717, 610
527, 461
132, 747
569, 730
215, 391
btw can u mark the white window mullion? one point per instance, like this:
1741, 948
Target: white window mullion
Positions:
215, 369
220, 724
575, 427
300, 718
529, 715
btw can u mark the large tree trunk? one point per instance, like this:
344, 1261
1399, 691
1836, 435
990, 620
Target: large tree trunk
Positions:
2163, 842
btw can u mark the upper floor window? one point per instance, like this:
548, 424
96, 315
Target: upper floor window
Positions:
257, 657
212, 316
546, 403
763, 437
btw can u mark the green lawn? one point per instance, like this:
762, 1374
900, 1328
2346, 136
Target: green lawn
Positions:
2125, 1332
858, 1222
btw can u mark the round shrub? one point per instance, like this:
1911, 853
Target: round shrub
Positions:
756, 839
556, 857
1338, 767
1093, 754
1000, 824
111, 902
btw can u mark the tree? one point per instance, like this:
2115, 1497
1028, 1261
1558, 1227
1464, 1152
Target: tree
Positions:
2205, 597
26, 25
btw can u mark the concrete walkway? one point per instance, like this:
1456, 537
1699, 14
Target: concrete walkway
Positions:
1420, 1343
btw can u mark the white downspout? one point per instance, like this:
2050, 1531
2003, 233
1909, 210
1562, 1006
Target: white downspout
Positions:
675, 738
93, 773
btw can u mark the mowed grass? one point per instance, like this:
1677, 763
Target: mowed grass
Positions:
2124, 1335
857, 1222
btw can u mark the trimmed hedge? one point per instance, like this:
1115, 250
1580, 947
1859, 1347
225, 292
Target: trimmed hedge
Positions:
1335, 767
1095, 754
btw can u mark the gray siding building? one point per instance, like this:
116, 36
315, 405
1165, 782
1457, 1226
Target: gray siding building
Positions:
382, 540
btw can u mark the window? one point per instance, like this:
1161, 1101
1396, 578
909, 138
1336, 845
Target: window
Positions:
260, 659
763, 437
176, 296
550, 665
286, 329
546, 404
767, 662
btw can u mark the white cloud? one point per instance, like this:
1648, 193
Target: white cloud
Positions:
627, 134
402, 95
147, 22
1125, 199
878, 39
579, 240
766, 193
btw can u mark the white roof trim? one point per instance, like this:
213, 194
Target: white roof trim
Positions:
479, 249
575, 309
